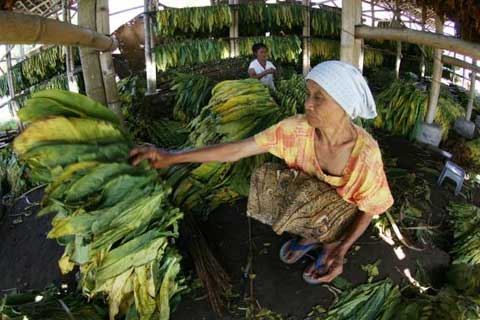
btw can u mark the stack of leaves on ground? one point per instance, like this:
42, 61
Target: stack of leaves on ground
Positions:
237, 110
114, 219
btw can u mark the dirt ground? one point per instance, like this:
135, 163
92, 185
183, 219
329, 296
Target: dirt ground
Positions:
29, 260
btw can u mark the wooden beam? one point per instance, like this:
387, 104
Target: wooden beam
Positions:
13, 105
418, 37
350, 48
92, 72
69, 61
306, 37
460, 63
106, 61
473, 77
150, 68
436, 77
36, 29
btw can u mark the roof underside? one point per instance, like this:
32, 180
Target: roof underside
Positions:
465, 13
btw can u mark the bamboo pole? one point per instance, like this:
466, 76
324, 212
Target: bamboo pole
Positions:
234, 48
418, 37
13, 105
372, 9
422, 48
106, 62
306, 37
473, 78
460, 63
350, 48
92, 72
69, 61
36, 29
436, 76
150, 69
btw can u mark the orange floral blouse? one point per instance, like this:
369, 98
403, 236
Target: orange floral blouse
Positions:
363, 182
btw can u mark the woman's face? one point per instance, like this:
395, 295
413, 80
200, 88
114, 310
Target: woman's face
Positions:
320, 109
261, 54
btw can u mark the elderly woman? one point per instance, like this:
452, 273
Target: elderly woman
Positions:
335, 183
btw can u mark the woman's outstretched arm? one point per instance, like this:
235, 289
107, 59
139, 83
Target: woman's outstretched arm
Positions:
227, 152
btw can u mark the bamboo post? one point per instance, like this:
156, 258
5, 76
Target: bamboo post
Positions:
306, 37
359, 51
422, 61
234, 48
350, 47
398, 57
150, 70
372, 9
92, 72
106, 62
473, 79
13, 105
436, 76
36, 29
69, 61
418, 37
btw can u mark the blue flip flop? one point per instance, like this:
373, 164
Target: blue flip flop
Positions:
292, 245
311, 278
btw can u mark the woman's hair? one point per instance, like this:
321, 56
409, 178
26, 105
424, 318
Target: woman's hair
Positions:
256, 47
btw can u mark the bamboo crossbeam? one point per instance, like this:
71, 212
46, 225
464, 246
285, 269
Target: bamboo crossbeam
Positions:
418, 37
460, 63
36, 29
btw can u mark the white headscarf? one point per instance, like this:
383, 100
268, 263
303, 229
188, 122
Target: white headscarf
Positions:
346, 85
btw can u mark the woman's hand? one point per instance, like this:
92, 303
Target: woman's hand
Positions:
157, 158
333, 264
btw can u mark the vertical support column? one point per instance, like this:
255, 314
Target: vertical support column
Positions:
436, 76
150, 68
106, 61
350, 48
398, 59
473, 79
398, 22
92, 72
306, 37
69, 61
359, 51
422, 62
372, 9
431, 133
234, 47
12, 105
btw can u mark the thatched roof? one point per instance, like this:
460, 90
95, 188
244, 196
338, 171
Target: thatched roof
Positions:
465, 13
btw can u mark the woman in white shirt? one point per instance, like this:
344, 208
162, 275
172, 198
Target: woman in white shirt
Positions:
261, 68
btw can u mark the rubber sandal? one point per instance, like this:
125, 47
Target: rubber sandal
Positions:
313, 278
292, 245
